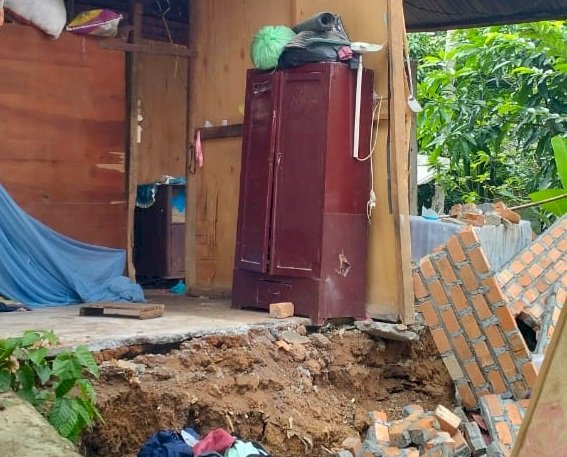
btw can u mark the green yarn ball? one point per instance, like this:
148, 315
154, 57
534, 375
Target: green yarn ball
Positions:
268, 45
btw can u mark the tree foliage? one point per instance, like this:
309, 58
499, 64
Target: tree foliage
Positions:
493, 98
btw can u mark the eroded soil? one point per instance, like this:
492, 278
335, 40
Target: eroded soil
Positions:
296, 400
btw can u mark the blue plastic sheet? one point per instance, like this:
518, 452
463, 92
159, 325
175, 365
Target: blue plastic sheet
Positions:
40, 267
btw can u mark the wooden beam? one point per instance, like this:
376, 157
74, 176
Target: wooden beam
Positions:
223, 131
147, 47
133, 109
398, 146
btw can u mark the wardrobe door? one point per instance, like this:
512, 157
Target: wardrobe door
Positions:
299, 181
256, 179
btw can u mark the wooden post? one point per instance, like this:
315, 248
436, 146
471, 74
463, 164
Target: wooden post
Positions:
399, 143
137, 10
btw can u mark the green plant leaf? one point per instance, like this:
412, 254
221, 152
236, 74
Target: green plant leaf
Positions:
64, 387
558, 208
86, 359
559, 145
43, 373
63, 416
30, 338
37, 356
5, 380
66, 366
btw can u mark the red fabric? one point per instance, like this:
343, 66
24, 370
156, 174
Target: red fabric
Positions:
217, 440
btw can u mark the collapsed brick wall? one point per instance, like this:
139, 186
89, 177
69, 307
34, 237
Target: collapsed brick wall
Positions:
503, 418
553, 308
470, 321
532, 276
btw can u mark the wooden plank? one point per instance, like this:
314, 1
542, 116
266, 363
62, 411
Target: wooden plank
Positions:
63, 133
543, 429
413, 152
223, 131
148, 47
399, 144
136, 310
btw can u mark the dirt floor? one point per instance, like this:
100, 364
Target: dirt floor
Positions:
296, 399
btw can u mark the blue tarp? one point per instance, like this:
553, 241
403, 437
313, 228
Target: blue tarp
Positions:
39, 267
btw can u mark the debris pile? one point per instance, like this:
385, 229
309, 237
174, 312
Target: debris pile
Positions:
441, 433
485, 214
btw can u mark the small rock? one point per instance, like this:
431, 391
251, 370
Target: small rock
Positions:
283, 345
344, 453
320, 341
298, 352
301, 330
386, 331
292, 337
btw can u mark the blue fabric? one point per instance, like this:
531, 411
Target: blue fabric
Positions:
167, 443
40, 267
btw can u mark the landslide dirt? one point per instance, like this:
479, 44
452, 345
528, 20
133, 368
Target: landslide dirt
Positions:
296, 400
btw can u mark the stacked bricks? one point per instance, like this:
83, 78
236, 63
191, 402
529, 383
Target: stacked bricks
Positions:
534, 273
471, 324
555, 303
503, 418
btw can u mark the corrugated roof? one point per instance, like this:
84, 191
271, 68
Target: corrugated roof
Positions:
429, 15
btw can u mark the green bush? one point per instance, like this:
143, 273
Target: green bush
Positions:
60, 387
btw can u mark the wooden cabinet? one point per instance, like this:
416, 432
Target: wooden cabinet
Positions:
302, 225
159, 246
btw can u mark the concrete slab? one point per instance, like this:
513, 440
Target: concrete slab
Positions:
184, 318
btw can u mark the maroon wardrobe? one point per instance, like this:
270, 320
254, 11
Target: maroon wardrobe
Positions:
302, 225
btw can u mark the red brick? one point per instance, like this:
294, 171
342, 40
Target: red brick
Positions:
551, 276
461, 445
560, 267
541, 286
450, 320
530, 373
448, 421
505, 276
531, 295
517, 266
441, 341
554, 255
535, 270
513, 413
438, 293
445, 269
507, 321
544, 262
422, 430
481, 307
507, 365
455, 250
419, 289
547, 239
494, 337
426, 268
462, 347
518, 345
467, 396
519, 388
525, 279
494, 293
379, 433
474, 373
470, 325
378, 416
517, 307
469, 278
484, 356
562, 245
468, 237
479, 261
524, 403
428, 310
494, 405
475, 219
503, 432
515, 290
557, 232
455, 370
458, 298
281, 310
537, 248
527, 257
496, 381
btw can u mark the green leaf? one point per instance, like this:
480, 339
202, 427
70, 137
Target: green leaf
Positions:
66, 366
64, 387
559, 145
64, 416
86, 359
558, 207
37, 356
87, 390
30, 338
43, 372
5, 380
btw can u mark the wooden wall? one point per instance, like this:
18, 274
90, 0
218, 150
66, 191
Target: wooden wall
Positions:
223, 31
162, 91
63, 132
